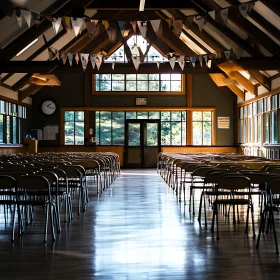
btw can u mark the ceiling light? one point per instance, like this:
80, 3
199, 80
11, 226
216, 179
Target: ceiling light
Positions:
27, 47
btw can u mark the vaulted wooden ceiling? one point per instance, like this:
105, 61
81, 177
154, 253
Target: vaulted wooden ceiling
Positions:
254, 40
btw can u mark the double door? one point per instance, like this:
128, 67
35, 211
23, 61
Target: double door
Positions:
142, 143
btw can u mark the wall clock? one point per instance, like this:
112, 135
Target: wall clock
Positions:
48, 107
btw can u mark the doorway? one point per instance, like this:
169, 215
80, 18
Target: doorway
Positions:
142, 143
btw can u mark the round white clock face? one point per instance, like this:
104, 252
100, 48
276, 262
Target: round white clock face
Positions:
48, 107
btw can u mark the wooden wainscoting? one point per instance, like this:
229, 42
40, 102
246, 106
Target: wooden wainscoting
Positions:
13, 150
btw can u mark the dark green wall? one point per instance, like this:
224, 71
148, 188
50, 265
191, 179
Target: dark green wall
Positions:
71, 93
207, 94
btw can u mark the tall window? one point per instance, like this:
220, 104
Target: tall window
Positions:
258, 121
74, 128
202, 128
12, 117
110, 126
138, 82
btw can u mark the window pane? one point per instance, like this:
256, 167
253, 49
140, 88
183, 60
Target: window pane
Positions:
117, 86
259, 129
1, 128
142, 85
152, 134
266, 127
165, 86
176, 116
249, 110
255, 111
206, 133
250, 130
106, 77
14, 130
131, 86
79, 133
165, 116
176, 77
176, 86
69, 115
197, 133
274, 101
165, 133
130, 115
260, 106
105, 128
79, 116
118, 128
105, 85
184, 133
184, 116
131, 77
241, 113
154, 77
154, 115
197, 116
134, 134
142, 115
142, 77
175, 133
69, 133
206, 116
154, 86
165, 77
8, 127
244, 111
274, 130
19, 131
117, 76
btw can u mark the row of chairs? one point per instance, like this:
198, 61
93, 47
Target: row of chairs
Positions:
227, 184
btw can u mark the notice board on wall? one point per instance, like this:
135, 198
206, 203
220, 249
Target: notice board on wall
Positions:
223, 122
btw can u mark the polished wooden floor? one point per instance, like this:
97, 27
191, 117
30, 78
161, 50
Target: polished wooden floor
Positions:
138, 230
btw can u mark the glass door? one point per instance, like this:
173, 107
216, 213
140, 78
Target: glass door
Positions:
142, 143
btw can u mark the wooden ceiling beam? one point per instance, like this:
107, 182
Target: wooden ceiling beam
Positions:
243, 81
35, 31
262, 79
32, 89
237, 91
149, 5
273, 5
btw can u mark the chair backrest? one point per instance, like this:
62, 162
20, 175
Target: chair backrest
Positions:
213, 177
7, 182
273, 185
33, 182
234, 182
267, 167
201, 171
257, 177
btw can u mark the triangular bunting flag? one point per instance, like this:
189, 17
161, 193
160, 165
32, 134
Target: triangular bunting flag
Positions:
92, 60
224, 15
92, 27
200, 21
205, 56
28, 17
84, 60
142, 5
64, 56
178, 25
70, 57
56, 22
169, 21
158, 65
113, 65
105, 23
98, 60
193, 60
172, 61
181, 61
51, 54
77, 58
227, 54
157, 27
142, 25
238, 52
67, 23
112, 34
134, 26
200, 58
243, 9
212, 14
136, 61
77, 24
19, 17
57, 54
209, 63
